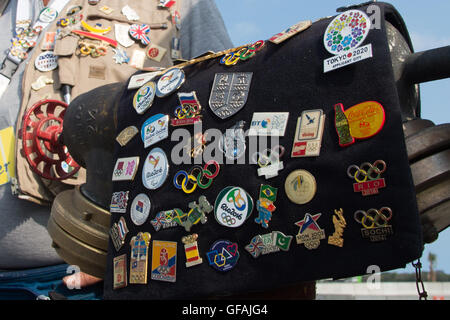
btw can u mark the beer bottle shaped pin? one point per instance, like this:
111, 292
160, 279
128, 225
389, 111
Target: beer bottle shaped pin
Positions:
342, 126
139, 258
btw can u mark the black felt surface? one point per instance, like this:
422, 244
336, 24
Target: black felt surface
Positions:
286, 77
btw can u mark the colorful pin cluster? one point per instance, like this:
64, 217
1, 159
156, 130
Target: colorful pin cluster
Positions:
234, 205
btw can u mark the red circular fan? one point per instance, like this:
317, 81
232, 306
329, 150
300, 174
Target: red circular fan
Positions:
41, 128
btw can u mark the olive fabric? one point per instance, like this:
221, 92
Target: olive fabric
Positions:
287, 77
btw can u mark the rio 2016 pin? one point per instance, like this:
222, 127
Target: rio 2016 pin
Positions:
155, 170
170, 82
233, 207
155, 129
144, 97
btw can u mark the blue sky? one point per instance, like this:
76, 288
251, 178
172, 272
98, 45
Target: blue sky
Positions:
251, 20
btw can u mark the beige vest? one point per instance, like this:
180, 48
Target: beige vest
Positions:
85, 73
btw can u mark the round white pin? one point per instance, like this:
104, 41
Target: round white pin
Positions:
140, 209
46, 61
156, 169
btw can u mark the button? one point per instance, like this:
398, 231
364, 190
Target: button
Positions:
223, 255
156, 169
140, 209
300, 186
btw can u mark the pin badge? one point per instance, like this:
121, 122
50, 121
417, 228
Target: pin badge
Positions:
269, 161
166, 3
233, 206
176, 19
196, 177
164, 220
268, 243
265, 206
169, 82
223, 255
126, 135
291, 31
41, 82
46, 61
310, 233
300, 186
48, 14
229, 93
191, 250
106, 9
122, 35
155, 170
242, 53
129, 13
143, 98
342, 126
139, 80
268, 124
118, 232
368, 177
308, 134
140, 33
365, 119
232, 144
140, 209
196, 214
119, 202
48, 41
375, 223
175, 52
120, 271
336, 239
155, 52
125, 169
139, 258
155, 129
343, 38
120, 56
164, 261
188, 112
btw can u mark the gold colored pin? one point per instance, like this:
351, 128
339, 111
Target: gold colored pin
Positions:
139, 257
191, 250
126, 135
336, 239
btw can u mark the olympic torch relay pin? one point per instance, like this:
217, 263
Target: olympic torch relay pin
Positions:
368, 177
191, 250
139, 258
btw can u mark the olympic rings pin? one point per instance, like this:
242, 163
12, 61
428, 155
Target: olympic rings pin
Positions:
196, 177
375, 223
243, 54
269, 161
368, 177
188, 112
